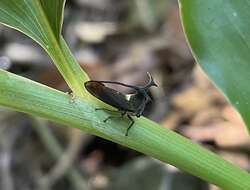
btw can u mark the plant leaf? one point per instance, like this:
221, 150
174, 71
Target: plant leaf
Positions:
34, 18
54, 12
42, 21
218, 33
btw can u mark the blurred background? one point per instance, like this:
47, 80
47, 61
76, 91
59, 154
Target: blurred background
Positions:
117, 40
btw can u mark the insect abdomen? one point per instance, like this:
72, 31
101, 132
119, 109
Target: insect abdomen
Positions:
108, 95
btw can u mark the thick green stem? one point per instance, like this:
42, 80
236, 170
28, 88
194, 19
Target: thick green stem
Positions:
76, 76
145, 136
67, 65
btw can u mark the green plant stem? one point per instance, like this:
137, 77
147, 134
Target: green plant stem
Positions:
67, 65
62, 57
42, 20
145, 136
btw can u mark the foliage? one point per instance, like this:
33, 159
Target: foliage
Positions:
42, 20
218, 33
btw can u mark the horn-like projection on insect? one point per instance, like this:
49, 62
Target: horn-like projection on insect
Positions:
126, 104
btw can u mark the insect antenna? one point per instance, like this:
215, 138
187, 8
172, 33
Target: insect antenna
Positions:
114, 117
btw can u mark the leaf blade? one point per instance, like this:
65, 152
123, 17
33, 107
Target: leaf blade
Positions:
33, 17
42, 21
218, 33
54, 12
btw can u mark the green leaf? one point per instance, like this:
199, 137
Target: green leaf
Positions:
145, 136
35, 18
42, 21
54, 12
218, 33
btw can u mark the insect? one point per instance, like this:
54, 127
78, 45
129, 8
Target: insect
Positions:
126, 104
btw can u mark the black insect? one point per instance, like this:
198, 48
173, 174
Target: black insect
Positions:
127, 104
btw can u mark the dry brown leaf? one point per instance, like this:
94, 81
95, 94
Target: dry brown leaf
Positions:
171, 121
191, 101
206, 117
231, 115
224, 134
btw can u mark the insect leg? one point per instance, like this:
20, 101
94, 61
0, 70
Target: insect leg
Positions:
141, 108
108, 118
130, 125
105, 109
114, 117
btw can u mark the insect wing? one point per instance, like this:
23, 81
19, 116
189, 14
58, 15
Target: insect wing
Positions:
108, 95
